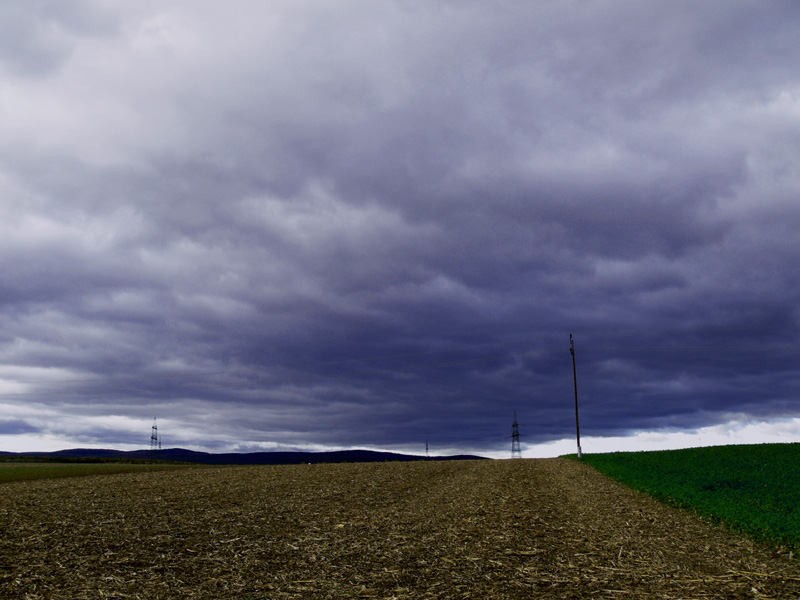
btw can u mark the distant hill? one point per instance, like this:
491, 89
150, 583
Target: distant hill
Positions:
249, 458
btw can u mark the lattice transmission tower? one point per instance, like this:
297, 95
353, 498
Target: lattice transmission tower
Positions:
516, 451
155, 441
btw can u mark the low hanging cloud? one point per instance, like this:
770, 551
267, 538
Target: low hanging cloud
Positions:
308, 225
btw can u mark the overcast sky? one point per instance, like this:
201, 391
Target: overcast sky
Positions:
308, 224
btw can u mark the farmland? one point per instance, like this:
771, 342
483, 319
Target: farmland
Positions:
751, 488
24, 470
508, 529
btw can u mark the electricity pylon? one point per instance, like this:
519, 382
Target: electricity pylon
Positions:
516, 451
155, 442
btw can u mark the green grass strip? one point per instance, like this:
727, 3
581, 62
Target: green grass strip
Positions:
754, 489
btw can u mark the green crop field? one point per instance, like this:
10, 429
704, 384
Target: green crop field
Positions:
752, 488
19, 471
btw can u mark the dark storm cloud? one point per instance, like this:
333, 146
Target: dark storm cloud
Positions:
15, 427
372, 223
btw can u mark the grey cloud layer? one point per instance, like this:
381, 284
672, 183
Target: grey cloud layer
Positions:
367, 222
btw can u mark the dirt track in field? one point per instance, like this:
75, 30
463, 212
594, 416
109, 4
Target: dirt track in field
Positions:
475, 529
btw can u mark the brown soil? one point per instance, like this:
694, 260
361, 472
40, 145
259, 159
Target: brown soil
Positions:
475, 529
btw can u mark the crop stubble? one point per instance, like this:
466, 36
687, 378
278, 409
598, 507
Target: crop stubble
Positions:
474, 529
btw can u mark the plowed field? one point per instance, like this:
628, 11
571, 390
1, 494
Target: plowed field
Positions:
475, 529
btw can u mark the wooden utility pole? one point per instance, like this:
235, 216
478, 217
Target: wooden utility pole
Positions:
575, 379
